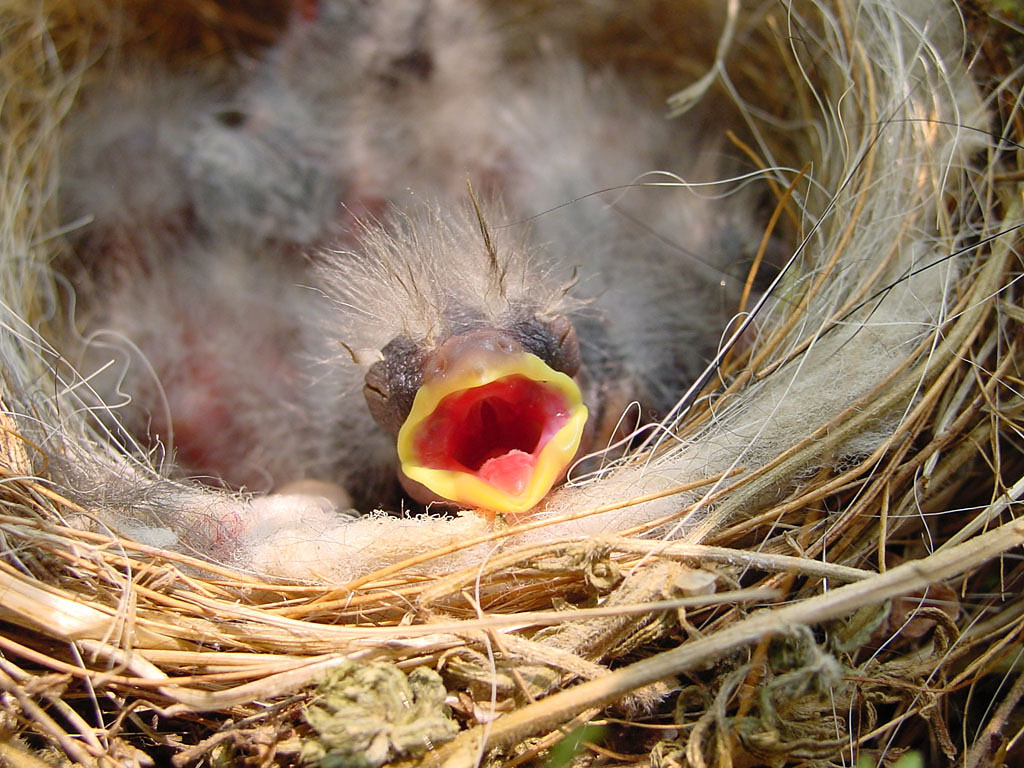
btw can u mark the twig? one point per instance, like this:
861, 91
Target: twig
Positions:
903, 579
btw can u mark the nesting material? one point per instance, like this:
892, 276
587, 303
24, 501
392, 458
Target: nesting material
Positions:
809, 560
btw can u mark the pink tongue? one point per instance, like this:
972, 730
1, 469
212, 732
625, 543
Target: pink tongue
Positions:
508, 473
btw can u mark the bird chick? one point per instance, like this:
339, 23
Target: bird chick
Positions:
458, 345
618, 289
187, 321
473, 351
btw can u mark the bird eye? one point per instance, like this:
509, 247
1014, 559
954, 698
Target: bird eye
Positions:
376, 392
566, 352
418, 64
390, 383
552, 339
232, 118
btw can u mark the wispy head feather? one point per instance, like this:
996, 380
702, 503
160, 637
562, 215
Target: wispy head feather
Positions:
429, 274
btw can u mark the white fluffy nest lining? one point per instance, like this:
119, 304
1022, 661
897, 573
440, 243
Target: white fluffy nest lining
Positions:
801, 565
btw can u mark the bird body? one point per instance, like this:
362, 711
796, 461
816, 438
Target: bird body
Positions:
331, 255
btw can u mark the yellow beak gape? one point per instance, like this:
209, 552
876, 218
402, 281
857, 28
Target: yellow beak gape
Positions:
495, 433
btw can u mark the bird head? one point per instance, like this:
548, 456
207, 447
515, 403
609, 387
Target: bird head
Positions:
469, 357
491, 418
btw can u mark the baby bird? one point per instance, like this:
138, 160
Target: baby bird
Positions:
473, 344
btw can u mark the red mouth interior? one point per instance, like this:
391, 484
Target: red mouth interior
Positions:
494, 431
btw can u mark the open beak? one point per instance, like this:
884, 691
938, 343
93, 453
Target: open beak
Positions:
492, 428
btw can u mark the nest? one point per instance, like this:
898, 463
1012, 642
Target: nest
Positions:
845, 589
